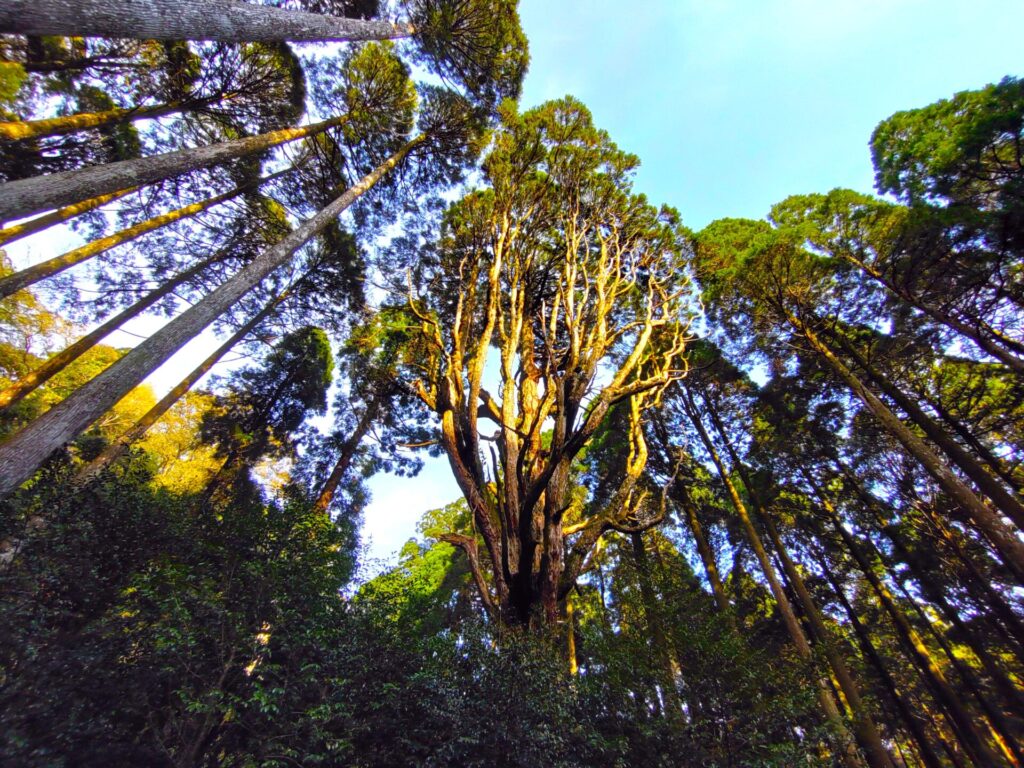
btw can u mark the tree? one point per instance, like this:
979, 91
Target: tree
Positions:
477, 43
558, 265
781, 287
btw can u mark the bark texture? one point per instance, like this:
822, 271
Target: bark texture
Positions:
22, 455
225, 21
41, 193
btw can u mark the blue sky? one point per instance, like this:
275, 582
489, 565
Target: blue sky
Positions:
732, 105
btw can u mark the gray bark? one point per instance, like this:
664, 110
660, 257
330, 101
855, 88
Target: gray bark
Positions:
58, 362
222, 20
56, 265
117, 448
23, 454
41, 193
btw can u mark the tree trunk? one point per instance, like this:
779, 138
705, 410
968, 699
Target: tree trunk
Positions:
989, 485
959, 718
944, 318
60, 126
935, 594
38, 224
828, 704
707, 555
22, 455
1002, 536
999, 727
909, 717
974, 442
118, 447
864, 727
1004, 620
221, 20
666, 661
348, 452
41, 193
58, 362
58, 264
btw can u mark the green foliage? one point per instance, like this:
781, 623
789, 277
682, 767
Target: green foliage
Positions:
185, 610
12, 76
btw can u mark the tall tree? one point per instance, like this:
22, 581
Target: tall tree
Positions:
563, 269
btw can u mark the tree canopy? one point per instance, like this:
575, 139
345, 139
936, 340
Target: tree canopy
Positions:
746, 496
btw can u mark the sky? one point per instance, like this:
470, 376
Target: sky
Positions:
733, 105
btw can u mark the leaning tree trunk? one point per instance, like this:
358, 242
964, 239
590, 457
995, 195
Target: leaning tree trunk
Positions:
40, 193
23, 454
958, 716
984, 342
924, 748
707, 555
960, 456
863, 724
17, 130
345, 456
58, 264
38, 224
118, 447
58, 362
226, 21
1001, 536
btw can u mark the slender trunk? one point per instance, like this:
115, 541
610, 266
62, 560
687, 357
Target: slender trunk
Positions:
570, 631
59, 126
38, 224
1005, 620
41, 193
221, 20
999, 728
935, 594
58, 264
22, 455
348, 452
707, 555
959, 718
1002, 536
1002, 731
58, 362
1006, 616
789, 619
907, 714
988, 485
863, 725
980, 449
118, 447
